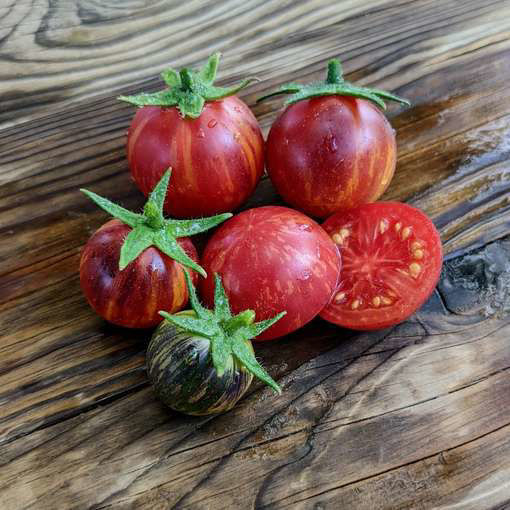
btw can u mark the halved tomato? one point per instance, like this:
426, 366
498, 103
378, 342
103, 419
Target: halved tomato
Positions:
392, 259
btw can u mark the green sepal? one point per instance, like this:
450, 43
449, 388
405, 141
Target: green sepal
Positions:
138, 240
245, 356
188, 90
128, 217
221, 304
229, 335
152, 229
192, 324
220, 353
169, 246
201, 311
258, 328
334, 85
161, 98
192, 227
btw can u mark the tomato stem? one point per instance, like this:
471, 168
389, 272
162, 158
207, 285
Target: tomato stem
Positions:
334, 85
334, 72
188, 90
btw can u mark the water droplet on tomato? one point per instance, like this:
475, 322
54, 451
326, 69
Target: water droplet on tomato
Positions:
212, 123
305, 275
305, 226
331, 143
237, 137
201, 133
237, 109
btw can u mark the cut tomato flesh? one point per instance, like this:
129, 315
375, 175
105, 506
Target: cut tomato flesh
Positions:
392, 258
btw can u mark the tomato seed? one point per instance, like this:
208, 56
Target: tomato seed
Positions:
414, 269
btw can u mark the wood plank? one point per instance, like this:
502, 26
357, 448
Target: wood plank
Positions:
410, 417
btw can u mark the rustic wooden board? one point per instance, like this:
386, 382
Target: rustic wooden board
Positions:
417, 416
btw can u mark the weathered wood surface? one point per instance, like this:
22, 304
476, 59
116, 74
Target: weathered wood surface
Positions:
417, 416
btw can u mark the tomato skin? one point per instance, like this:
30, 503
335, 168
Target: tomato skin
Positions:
132, 297
386, 241
329, 153
217, 159
273, 259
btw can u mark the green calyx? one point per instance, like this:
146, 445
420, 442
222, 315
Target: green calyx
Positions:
188, 90
151, 228
229, 335
334, 85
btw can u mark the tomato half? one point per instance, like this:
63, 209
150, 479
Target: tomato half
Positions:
134, 296
329, 153
217, 159
273, 259
392, 258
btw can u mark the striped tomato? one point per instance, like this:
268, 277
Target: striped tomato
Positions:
212, 142
332, 148
273, 259
132, 297
134, 266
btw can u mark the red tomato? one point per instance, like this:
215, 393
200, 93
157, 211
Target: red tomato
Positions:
132, 297
273, 259
217, 159
392, 258
329, 153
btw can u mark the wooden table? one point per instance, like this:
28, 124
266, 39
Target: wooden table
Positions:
416, 416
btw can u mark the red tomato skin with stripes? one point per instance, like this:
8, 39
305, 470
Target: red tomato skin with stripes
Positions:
134, 296
330, 153
217, 159
273, 259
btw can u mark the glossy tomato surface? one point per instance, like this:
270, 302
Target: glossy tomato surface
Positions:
273, 259
331, 152
216, 159
392, 258
132, 297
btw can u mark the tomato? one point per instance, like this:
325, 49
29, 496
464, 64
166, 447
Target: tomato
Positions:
273, 259
332, 148
208, 136
392, 258
134, 296
201, 361
331, 152
133, 266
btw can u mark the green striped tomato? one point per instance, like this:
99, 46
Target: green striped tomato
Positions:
180, 368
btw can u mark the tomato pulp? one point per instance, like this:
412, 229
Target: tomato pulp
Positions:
392, 256
134, 296
273, 259
329, 153
217, 159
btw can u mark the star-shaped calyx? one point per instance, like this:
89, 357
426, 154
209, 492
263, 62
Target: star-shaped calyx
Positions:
151, 228
334, 85
229, 334
188, 90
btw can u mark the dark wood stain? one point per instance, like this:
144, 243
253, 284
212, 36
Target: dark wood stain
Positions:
412, 417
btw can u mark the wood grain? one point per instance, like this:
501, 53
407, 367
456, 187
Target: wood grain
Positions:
412, 417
